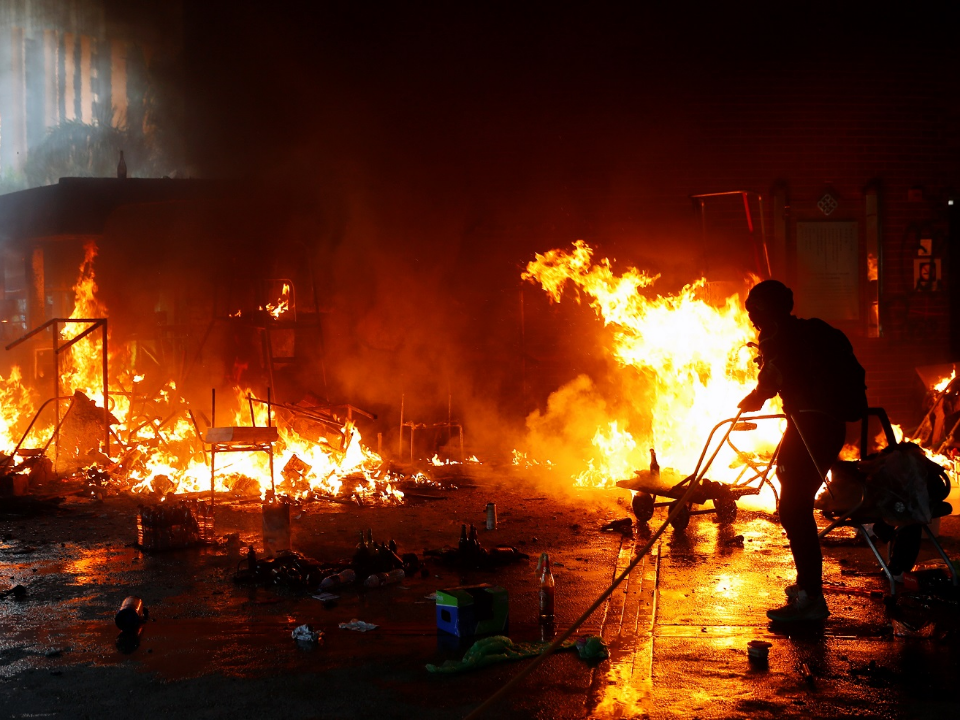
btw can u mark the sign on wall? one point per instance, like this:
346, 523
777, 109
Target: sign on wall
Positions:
828, 272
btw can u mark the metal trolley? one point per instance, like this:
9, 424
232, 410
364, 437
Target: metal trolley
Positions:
754, 473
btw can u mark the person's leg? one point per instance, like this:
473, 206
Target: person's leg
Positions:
799, 481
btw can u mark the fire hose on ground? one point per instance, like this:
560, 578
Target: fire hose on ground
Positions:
677, 508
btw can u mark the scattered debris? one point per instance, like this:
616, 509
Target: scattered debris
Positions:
358, 625
624, 526
344, 577
499, 648
736, 540
131, 615
306, 634
288, 569
875, 676
904, 628
17, 591
326, 597
592, 648
174, 525
381, 579
470, 553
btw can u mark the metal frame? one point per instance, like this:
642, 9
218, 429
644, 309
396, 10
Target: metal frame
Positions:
96, 323
414, 426
746, 207
222, 447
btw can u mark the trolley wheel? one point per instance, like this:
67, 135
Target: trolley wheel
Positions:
726, 507
643, 506
682, 518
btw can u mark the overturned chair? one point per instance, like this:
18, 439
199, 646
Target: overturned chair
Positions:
899, 486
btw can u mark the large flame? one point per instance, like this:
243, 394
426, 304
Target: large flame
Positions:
693, 353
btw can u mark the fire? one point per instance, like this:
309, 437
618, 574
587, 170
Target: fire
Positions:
941, 384
16, 405
162, 451
691, 358
282, 305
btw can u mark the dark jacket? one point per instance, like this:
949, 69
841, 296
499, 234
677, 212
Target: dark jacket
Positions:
812, 367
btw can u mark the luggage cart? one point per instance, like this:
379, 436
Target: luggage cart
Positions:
647, 486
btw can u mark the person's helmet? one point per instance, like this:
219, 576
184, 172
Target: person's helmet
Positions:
770, 296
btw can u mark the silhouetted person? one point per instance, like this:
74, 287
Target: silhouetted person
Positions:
812, 367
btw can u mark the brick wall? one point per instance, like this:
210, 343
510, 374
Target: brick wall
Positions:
844, 127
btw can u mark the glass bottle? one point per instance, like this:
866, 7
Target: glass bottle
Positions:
547, 589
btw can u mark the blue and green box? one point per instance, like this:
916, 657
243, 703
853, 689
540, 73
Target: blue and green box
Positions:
473, 610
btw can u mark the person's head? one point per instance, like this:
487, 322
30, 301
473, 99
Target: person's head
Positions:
769, 302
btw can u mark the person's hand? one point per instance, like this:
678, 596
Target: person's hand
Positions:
752, 403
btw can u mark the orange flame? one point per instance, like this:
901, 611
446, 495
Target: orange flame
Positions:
282, 305
151, 447
693, 354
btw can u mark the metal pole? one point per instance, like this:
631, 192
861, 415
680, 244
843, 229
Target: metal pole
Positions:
273, 488
56, 383
400, 445
763, 237
213, 445
106, 394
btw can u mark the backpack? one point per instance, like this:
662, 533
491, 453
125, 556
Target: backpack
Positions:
851, 387
842, 375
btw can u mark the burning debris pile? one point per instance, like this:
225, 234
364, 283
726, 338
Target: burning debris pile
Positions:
150, 440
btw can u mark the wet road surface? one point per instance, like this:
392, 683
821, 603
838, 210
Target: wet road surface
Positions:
677, 629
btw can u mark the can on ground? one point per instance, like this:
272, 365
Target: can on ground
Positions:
491, 516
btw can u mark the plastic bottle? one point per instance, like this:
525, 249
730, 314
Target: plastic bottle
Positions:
547, 589
122, 167
387, 578
654, 465
131, 614
344, 577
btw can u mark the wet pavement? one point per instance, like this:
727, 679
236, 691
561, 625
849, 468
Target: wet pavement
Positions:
677, 629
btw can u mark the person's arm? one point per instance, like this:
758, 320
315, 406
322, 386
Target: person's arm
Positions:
768, 385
